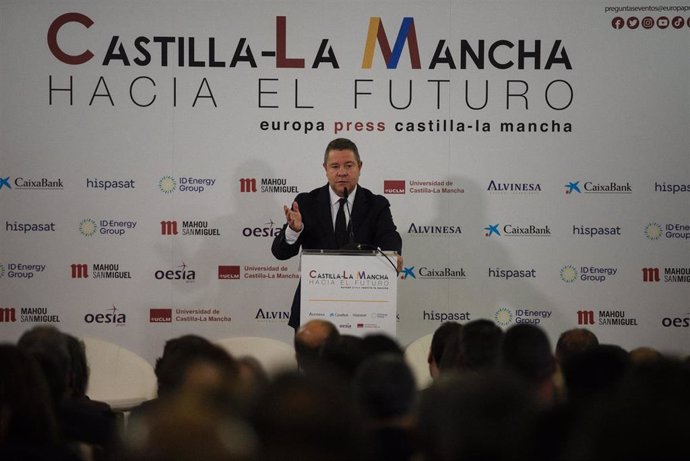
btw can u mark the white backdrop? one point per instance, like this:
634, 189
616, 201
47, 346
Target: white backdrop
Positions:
212, 115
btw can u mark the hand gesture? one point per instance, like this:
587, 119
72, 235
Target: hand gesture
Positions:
293, 217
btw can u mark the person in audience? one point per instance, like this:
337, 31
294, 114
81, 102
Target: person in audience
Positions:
79, 374
476, 416
439, 341
309, 341
28, 426
95, 427
307, 418
526, 352
645, 419
574, 341
188, 426
642, 355
475, 347
595, 374
385, 390
379, 343
342, 356
174, 350
190, 364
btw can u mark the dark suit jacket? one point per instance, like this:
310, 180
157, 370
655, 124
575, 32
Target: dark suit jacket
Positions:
371, 223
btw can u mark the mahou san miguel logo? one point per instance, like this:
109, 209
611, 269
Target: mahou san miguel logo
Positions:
189, 228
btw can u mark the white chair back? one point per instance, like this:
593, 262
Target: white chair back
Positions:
275, 356
416, 354
118, 376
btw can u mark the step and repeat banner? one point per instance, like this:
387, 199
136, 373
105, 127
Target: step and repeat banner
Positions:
535, 155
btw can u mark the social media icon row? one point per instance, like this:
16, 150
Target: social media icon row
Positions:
662, 22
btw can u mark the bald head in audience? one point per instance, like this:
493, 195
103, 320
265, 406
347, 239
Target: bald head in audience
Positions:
573, 342
309, 340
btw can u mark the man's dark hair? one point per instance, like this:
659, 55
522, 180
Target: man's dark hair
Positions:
441, 337
379, 343
341, 144
526, 351
79, 368
180, 353
385, 387
477, 347
595, 373
573, 342
48, 346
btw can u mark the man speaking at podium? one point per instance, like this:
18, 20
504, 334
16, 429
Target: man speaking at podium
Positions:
336, 215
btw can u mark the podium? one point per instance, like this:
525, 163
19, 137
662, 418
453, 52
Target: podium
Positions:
355, 290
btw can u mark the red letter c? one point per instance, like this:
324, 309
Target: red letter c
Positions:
52, 38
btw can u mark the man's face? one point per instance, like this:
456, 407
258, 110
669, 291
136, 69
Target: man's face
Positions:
342, 170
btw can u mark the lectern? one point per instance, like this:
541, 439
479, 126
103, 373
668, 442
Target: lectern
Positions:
355, 290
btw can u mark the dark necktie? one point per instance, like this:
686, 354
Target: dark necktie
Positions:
340, 227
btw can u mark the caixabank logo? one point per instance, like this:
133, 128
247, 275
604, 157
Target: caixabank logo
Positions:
605, 317
521, 230
589, 274
97, 271
499, 187
578, 187
433, 273
186, 184
422, 186
22, 183
670, 231
267, 186
188, 228
105, 227
16, 270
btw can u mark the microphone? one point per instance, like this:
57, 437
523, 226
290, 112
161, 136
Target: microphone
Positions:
368, 247
350, 231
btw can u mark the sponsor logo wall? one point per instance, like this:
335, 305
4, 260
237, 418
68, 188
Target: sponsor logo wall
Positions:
537, 177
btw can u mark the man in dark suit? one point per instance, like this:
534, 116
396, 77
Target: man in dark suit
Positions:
336, 214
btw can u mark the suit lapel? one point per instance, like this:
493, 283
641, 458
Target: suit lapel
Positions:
359, 210
325, 219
